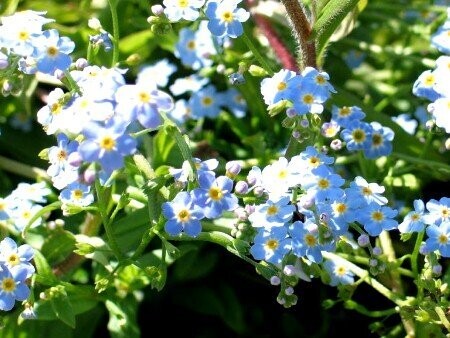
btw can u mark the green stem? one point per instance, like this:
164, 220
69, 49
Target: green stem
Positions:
352, 305
102, 205
257, 54
115, 23
442, 317
22, 169
426, 162
415, 253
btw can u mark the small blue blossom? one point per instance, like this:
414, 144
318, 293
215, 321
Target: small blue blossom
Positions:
182, 215
276, 212
365, 192
52, 52
438, 211
12, 286
182, 9
271, 245
413, 221
357, 135
323, 184
143, 102
215, 195
380, 141
158, 73
344, 115
376, 218
194, 48
13, 256
102, 39
77, 194
339, 272
305, 240
438, 239
107, 144
225, 19
205, 103
278, 87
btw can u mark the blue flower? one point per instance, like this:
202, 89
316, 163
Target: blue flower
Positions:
187, 9
214, 195
205, 102
380, 141
52, 52
343, 116
61, 170
323, 184
357, 135
339, 272
12, 286
107, 144
182, 215
305, 240
195, 47
225, 19
77, 194
275, 212
271, 245
413, 221
438, 239
376, 218
142, 101
13, 256
438, 211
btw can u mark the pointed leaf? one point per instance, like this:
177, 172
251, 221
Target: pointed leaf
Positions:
331, 16
63, 309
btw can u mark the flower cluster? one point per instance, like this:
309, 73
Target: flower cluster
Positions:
15, 270
433, 84
25, 45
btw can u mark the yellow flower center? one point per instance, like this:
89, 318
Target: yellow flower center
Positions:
340, 208
8, 284
445, 213
377, 140
23, 35
191, 45
308, 98
52, 51
227, 16
359, 135
183, 3
320, 80
144, 97
207, 101
55, 108
62, 155
272, 210
282, 174
281, 86
429, 80
443, 239
310, 240
323, 183
13, 260
77, 194
415, 217
366, 191
377, 216
344, 111
107, 143
184, 215
272, 244
215, 193
314, 161
340, 270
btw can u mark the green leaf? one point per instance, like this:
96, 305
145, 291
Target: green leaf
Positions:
329, 19
8, 7
63, 309
44, 273
58, 246
122, 318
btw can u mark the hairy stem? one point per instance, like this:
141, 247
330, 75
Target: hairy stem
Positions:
302, 30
